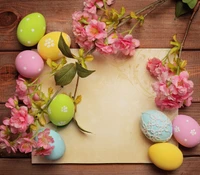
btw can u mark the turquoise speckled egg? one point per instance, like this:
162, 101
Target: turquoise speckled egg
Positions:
31, 29
59, 146
156, 126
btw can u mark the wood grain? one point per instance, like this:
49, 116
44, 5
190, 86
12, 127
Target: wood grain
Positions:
190, 166
157, 31
58, 17
8, 73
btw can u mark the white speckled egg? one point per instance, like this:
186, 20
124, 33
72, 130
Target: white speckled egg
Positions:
186, 131
31, 29
29, 64
156, 126
59, 146
61, 110
48, 45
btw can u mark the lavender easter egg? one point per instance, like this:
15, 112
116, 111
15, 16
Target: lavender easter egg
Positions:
29, 64
186, 131
156, 126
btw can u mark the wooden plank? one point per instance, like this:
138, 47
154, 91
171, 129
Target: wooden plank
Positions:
58, 18
192, 111
8, 73
190, 166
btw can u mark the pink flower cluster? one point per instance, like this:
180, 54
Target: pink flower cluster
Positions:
15, 133
172, 91
91, 32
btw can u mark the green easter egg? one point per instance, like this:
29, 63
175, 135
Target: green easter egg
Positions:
61, 110
31, 29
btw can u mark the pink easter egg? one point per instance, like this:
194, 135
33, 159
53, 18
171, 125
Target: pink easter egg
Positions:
29, 64
186, 131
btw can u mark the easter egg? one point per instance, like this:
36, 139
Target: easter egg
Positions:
59, 146
61, 110
186, 131
31, 29
156, 126
165, 156
48, 45
29, 64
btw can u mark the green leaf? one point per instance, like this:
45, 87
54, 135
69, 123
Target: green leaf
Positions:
64, 48
65, 75
79, 127
82, 72
192, 4
186, 1
181, 8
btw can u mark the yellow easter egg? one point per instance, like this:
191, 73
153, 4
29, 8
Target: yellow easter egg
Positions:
48, 45
166, 156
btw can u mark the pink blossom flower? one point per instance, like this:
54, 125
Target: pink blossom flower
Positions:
110, 2
91, 5
127, 44
44, 143
80, 20
20, 120
26, 144
174, 92
4, 132
27, 101
42, 151
44, 139
155, 67
83, 17
21, 88
106, 45
104, 48
12, 102
96, 30
9, 146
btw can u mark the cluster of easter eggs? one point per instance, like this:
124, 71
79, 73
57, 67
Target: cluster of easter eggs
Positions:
30, 63
158, 128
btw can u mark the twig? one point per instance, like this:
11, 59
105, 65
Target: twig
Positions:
52, 98
188, 27
76, 88
154, 4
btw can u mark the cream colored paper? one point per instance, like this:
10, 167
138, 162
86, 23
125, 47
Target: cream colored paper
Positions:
113, 99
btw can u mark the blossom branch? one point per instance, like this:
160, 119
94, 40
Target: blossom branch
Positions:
188, 27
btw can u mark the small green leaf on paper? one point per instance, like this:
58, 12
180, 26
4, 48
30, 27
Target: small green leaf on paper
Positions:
64, 48
181, 8
82, 72
65, 75
80, 128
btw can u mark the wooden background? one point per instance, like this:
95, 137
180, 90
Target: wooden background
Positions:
157, 31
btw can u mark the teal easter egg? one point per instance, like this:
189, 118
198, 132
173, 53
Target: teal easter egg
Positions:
156, 126
59, 146
61, 110
31, 29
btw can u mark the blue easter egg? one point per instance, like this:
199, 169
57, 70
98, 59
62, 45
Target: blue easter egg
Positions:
156, 126
59, 146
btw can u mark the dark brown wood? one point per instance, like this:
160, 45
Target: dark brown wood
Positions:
157, 31
8, 73
58, 17
17, 166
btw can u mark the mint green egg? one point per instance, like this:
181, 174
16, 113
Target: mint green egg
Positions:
61, 110
31, 29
